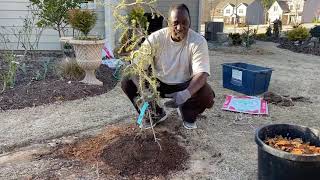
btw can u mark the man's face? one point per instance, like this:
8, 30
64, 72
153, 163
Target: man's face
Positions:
179, 24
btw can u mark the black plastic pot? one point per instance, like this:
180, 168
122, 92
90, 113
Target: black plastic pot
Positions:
275, 164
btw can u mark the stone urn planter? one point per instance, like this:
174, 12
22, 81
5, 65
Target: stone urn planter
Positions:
88, 56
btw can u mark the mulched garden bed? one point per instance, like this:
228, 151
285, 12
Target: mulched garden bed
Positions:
33, 89
284, 43
299, 48
123, 152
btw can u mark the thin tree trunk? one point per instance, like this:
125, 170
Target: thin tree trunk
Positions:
59, 31
266, 17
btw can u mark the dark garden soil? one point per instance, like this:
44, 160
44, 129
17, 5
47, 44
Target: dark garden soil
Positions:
125, 152
286, 100
269, 39
284, 43
34, 87
299, 48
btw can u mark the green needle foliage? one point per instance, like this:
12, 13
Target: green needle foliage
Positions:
298, 34
82, 20
134, 27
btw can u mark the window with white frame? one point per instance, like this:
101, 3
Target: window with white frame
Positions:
291, 7
275, 8
88, 4
228, 11
298, 6
240, 11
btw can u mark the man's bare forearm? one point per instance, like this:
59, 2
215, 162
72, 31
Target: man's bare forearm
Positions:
197, 82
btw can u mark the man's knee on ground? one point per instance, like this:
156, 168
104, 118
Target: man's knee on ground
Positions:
207, 95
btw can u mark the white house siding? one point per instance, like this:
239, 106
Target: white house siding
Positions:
275, 12
228, 10
164, 6
12, 13
242, 10
296, 5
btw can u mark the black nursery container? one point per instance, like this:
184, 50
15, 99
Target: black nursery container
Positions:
274, 164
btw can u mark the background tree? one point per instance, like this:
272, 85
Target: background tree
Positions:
53, 13
266, 6
296, 6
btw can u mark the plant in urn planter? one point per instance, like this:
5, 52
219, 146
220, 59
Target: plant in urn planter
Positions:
87, 48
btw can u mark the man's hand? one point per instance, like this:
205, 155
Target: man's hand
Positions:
178, 98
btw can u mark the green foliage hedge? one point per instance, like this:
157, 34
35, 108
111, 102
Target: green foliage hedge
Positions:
298, 34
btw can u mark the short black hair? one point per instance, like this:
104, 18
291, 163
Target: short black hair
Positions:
180, 7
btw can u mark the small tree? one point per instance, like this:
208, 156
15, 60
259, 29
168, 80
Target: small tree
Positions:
248, 36
266, 6
53, 13
269, 31
141, 57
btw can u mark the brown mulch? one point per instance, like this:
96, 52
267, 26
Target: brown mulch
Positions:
29, 92
124, 152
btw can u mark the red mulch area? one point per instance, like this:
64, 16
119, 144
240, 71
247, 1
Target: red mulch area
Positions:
30, 92
124, 152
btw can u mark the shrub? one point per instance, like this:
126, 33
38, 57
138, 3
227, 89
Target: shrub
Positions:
129, 39
248, 37
315, 32
269, 32
315, 20
82, 20
235, 38
261, 36
298, 34
9, 76
137, 18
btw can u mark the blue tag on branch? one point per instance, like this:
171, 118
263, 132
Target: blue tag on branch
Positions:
142, 112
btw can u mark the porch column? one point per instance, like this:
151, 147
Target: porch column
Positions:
109, 23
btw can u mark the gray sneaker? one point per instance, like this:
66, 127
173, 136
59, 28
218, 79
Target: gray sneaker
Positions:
155, 120
189, 126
